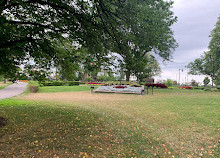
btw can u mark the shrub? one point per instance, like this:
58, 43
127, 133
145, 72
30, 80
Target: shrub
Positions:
73, 83
198, 88
207, 89
88, 79
33, 88
168, 83
156, 85
60, 83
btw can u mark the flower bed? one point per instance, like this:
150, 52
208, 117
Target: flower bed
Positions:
156, 85
120, 87
185, 87
23, 80
94, 83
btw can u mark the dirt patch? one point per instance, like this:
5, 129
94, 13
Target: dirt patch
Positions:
79, 97
2, 84
3, 121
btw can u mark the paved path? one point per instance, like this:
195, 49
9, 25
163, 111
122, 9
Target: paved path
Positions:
13, 90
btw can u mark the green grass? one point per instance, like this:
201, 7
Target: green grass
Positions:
51, 89
168, 124
5, 85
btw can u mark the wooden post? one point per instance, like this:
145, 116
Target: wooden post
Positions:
92, 92
142, 90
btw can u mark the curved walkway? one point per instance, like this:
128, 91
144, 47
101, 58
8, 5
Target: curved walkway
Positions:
13, 90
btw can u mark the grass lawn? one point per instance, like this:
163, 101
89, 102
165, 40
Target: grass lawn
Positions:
170, 123
51, 89
3, 85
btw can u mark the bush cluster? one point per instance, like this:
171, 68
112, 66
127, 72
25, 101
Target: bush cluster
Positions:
212, 89
198, 88
33, 88
60, 83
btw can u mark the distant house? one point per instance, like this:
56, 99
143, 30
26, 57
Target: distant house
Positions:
131, 78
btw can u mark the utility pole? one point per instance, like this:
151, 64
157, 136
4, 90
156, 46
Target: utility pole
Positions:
179, 75
187, 79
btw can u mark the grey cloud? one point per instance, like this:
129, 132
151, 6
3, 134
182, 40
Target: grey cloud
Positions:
196, 19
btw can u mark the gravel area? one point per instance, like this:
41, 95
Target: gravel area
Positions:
13, 90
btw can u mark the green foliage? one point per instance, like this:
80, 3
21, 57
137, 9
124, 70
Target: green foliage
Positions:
146, 67
198, 88
50, 33
206, 65
73, 83
102, 78
1, 78
175, 83
169, 83
209, 63
88, 79
60, 83
194, 83
206, 81
52, 89
154, 36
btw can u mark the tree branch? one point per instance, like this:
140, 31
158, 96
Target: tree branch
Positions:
6, 44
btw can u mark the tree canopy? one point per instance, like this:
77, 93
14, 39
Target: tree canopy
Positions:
30, 29
209, 63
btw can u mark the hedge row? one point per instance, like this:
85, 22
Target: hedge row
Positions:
59, 83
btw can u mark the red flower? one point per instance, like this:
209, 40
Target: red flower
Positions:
156, 85
185, 87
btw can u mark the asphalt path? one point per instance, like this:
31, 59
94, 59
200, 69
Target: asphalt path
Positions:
13, 90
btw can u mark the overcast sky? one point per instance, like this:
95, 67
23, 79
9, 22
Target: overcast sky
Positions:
196, 19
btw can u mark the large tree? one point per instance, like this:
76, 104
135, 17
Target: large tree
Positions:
31, 28
146, 67
148, 32
209, 63
28, 29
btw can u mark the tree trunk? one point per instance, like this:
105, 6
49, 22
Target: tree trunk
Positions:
5, 80
84, 77
212, 81
127, 75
